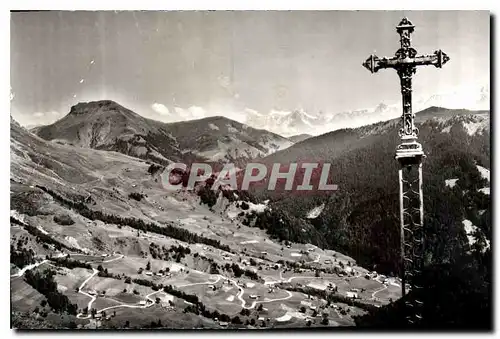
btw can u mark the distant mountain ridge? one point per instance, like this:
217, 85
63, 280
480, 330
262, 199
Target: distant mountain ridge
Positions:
300, 137
364, 209
109, 126
299, 121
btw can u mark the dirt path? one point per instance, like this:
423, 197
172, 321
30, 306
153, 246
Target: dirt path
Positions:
92, 298
379, 290
23, 270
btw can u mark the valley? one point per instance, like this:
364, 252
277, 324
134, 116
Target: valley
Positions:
149, 276
99, 242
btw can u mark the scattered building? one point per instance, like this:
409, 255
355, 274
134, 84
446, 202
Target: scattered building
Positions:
253, 296
353, 295
142, 302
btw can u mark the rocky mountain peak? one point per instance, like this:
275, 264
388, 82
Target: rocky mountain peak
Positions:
95, 106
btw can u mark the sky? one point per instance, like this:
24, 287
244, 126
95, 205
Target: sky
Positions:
152, 62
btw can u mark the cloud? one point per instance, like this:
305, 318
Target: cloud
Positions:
193, 112
160, 109
49, 114
197, 112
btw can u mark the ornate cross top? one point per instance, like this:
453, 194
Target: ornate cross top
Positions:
405, 62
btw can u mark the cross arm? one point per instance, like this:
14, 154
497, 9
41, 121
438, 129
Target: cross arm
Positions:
374, 63
438, 59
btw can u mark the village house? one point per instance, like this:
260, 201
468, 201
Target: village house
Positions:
352, 295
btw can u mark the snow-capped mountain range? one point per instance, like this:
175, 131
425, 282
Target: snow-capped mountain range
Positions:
291, 123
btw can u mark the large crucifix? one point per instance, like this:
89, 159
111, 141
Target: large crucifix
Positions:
409, 154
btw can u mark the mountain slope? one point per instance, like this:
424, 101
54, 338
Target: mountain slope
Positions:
299, 137
335, 143
120, 225
107, 125
361, 217
222, 139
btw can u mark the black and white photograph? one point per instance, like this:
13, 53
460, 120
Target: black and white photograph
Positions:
253, 170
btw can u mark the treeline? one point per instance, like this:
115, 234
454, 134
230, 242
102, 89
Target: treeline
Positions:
163, 253
103, 273
208, 196
42, 237
232, 268
136, 196
361, 219
454, 297
330, 297
238, 272
139, 224
44, 283
21, 256
69, 263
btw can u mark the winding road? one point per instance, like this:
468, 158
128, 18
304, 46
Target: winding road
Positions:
379, 290
93, 298
242, 291
23, 270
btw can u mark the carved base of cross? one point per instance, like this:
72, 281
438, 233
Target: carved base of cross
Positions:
411, 228
409, 152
